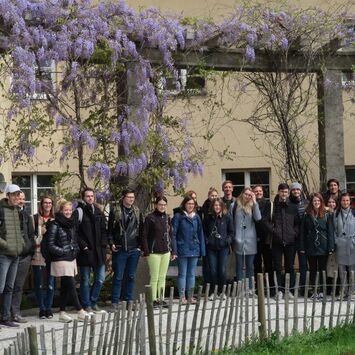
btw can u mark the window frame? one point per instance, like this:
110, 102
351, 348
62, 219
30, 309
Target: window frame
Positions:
247, 180
34, 188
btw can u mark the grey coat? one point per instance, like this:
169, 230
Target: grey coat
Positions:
344, 227
245, 241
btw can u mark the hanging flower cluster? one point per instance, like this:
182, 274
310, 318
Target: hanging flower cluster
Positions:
96, 47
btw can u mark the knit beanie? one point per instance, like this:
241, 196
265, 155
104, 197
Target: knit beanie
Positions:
296, 185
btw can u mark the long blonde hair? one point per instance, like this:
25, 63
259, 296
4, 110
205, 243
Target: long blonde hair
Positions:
246, 206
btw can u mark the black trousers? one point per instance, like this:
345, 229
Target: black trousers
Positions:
68, 292
263, 261
288, 252
317, 263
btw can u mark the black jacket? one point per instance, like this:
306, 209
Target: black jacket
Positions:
219, 231
317, 235
92, 234
157, 234
27, 227
62, 245
286, 223
124, 236
264, 226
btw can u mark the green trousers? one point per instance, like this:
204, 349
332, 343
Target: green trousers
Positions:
158, 267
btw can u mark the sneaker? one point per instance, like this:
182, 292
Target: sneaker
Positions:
279, 295
290, 295
8, 323
97, 309
64, 317
320, 296
183, 301
19, 319
89, 310
156, 304
192, 300
211, 298
114, 307
49, 314
250, 293
82, 314
42, 314
314, 295
164, 304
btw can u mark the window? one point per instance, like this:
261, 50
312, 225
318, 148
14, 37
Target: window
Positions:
46, 80
241, 179
190, 83
350, 180
34, 187
348, 79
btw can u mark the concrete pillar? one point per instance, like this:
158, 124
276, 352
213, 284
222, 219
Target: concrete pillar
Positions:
330, 127
142, 195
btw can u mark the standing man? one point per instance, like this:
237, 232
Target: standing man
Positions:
230, 203
263, 233
92, 255
125, 230
300, 203
286, 224
24, 260
333, 191
12, 245
228, 198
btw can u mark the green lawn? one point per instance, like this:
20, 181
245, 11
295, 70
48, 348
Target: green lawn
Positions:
340, 340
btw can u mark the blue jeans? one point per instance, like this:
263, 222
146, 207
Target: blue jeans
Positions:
217, 261
249, 266
89, 297
124, 261
186, 274
44, 303
8, 270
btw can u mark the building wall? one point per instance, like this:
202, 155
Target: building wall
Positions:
238, 135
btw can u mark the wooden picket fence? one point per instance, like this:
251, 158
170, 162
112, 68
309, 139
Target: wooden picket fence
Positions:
213, 323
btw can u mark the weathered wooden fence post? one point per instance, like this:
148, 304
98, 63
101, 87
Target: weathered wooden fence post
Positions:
150, 315
261, 306
32, 337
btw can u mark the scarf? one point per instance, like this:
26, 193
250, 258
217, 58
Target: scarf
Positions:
66, 223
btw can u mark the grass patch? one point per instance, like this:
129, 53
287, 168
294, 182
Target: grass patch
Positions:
337, 341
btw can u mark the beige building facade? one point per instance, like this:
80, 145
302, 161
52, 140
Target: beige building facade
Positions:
247, 160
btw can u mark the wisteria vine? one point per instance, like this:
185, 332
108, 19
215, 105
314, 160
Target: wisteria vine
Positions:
119, 129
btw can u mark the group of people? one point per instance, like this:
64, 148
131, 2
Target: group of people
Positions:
264, 236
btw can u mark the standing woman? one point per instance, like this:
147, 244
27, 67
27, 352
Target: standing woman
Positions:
63, 248
190, 245
246, 214
39, 265
212, 195
344, 225
332, 204
317, 238
219, 232
158, 248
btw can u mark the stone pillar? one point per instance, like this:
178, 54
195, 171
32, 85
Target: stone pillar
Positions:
330, 127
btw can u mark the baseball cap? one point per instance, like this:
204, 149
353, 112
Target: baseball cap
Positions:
11, 188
